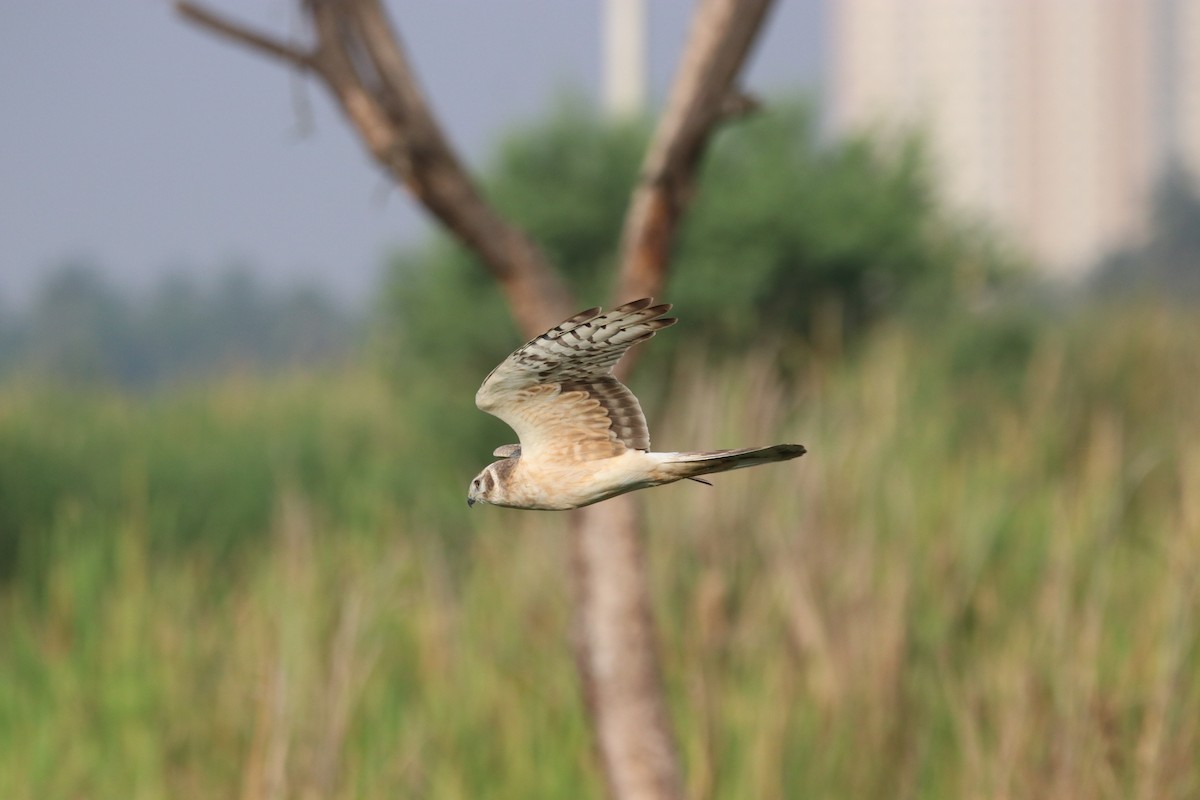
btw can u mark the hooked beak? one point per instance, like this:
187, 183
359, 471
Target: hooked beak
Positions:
470, 502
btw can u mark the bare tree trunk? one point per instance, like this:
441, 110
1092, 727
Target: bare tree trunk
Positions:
616, 650
357, 55
615, 643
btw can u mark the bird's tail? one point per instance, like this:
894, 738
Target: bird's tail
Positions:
690, 465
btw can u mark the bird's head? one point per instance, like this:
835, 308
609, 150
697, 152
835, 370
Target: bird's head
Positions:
483, 487
491, 485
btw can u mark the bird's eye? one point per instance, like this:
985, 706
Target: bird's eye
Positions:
475, 483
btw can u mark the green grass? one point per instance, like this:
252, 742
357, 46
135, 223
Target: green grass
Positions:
981, 582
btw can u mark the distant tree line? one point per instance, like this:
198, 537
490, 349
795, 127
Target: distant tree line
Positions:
81, 328
1167, 261
793, 232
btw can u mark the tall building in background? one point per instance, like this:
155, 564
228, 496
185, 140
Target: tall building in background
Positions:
1052, 118
624, 58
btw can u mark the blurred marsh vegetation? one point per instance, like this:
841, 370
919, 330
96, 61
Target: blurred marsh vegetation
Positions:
264, 582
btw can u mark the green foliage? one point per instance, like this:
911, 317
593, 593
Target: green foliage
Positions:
797, 228
199, 469
566, 180
984, 577
442, 330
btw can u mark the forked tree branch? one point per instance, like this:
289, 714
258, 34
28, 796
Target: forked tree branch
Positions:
358, 55
704, 94
243, 35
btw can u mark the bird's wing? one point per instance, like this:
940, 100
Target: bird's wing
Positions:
558, 391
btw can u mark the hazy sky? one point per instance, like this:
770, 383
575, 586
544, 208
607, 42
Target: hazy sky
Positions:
137, 142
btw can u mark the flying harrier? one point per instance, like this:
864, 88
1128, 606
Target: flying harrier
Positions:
583, 435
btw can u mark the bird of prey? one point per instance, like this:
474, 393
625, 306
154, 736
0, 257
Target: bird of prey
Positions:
583, 435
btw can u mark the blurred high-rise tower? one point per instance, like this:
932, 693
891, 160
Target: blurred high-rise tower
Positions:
1053, 118
624, 57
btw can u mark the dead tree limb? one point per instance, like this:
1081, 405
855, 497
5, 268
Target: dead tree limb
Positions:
236, 32
357, 54
358, 57
705, 93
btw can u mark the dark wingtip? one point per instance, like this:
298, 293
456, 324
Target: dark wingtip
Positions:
583, 316
635, 305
